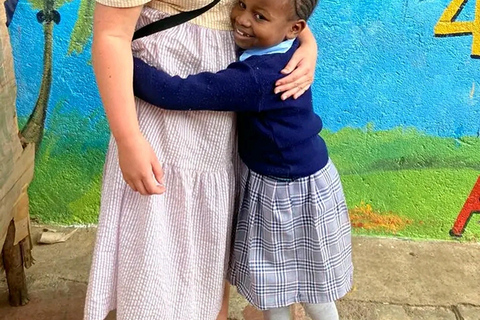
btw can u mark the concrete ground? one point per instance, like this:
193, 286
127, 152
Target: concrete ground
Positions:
394, 280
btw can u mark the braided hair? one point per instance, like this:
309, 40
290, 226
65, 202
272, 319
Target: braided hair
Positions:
304, 8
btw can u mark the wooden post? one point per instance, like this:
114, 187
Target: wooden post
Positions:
16, 172
13, 264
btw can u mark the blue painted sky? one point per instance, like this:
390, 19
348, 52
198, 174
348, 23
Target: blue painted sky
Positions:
378, 63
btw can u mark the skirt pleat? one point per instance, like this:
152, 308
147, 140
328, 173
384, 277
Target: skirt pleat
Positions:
292, 241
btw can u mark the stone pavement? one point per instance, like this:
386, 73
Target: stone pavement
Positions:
394, 280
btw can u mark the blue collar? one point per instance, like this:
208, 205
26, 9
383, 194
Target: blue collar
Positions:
282, 47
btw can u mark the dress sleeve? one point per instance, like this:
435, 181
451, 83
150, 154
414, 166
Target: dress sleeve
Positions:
233, 89
123, 3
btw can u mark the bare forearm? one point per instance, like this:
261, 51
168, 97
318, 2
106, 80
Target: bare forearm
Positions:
113, 66
112, 62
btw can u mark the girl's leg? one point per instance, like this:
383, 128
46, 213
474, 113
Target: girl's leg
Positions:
223, 314
277, 314
322, 311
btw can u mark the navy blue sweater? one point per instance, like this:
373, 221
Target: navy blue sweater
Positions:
276, 138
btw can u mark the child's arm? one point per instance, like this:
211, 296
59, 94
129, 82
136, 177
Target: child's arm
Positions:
232, 89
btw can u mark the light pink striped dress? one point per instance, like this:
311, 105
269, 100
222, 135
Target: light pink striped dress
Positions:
164, 257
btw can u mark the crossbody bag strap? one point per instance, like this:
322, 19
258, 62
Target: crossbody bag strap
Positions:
172, 21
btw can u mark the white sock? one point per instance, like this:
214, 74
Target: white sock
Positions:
322, 311
277, 314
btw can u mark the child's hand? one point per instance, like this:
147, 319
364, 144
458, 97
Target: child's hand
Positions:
140, 166
300, 70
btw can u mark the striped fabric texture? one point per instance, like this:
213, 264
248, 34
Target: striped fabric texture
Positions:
215, 18
165, 257
292, 241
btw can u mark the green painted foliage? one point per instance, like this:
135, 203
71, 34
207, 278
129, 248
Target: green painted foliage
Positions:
416, 177
37, 4
82, 30
42, 4
430, 198
366, 151
422, 178
68, 168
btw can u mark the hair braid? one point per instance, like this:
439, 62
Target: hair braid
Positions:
304, 8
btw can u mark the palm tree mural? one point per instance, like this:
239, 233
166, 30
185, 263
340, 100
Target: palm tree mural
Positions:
48, 16
33, 129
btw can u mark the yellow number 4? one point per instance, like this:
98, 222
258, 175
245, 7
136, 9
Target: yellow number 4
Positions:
447, 26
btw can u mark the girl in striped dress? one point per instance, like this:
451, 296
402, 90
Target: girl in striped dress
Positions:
164, 255
292, 237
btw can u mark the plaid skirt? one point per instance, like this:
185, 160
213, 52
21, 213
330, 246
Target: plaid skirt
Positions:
292, 241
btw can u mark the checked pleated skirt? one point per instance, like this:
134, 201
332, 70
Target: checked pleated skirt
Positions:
293, 240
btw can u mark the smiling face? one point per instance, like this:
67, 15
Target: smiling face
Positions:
264, 23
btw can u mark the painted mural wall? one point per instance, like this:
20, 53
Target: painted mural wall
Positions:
401, 109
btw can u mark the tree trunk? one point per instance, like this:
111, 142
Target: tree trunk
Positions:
33, 129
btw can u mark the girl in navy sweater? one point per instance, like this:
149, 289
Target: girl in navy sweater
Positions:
292, 239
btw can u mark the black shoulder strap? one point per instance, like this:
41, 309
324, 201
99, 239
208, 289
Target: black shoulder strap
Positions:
171, 21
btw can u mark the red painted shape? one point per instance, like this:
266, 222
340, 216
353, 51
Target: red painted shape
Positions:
471, 206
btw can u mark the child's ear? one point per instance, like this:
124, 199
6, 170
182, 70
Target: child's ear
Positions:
296, 28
